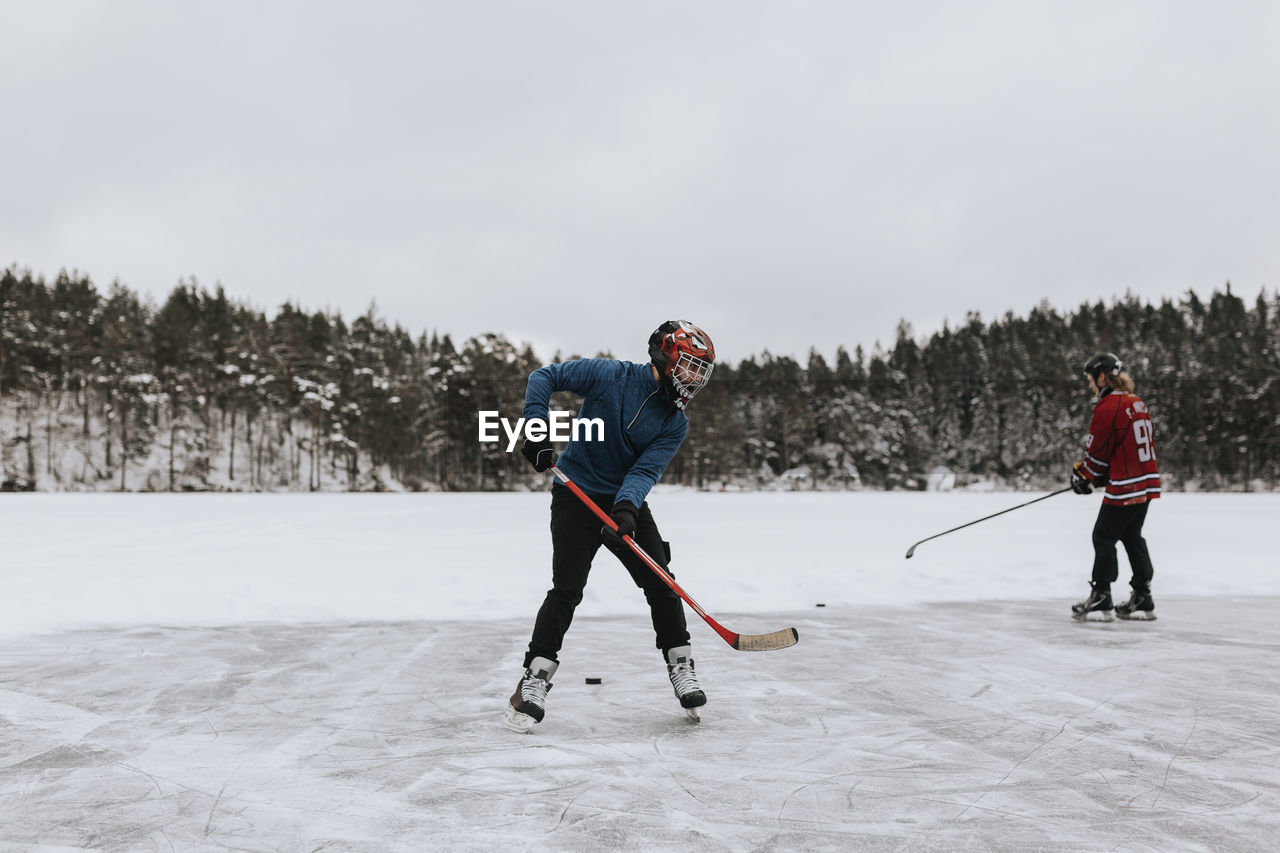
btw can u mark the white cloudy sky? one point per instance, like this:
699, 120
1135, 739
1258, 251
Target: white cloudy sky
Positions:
572, 173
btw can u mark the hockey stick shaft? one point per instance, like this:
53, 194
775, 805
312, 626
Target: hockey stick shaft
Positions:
741, 642
912, 549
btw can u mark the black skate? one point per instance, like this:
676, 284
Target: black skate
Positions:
528, 704
685, 681
1140, 607
1096, 608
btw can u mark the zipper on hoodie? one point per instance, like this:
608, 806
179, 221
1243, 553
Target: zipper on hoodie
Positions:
642, 405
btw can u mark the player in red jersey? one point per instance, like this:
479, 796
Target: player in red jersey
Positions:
1120, 454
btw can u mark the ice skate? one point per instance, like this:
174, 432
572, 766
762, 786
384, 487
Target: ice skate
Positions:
1140, 607
685, 681
1095, 608
529, 701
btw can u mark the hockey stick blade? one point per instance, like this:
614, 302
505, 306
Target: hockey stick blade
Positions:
766, 642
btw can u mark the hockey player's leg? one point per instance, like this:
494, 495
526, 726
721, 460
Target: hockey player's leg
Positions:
1097, 606
528, 704
575, 540
666, 611
1140, 606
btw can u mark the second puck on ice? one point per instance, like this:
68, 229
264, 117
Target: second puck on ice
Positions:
593, 681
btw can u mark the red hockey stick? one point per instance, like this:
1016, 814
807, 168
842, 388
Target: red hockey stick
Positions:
741, 642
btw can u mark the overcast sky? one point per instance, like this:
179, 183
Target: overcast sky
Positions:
570, 174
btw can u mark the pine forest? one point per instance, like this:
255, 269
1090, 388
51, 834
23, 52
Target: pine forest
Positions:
105, 391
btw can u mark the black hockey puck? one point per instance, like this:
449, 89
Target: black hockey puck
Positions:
819, 604
593, 681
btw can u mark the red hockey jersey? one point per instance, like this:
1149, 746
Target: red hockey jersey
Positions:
1121, 450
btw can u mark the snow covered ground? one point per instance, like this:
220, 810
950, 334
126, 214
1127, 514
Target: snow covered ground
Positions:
304, 672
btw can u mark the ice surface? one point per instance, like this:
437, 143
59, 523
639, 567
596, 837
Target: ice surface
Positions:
328, 672
73, 560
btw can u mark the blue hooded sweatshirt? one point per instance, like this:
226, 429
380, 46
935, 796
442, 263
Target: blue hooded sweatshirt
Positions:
642, 429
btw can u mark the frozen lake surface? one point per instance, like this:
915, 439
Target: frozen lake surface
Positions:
327, 672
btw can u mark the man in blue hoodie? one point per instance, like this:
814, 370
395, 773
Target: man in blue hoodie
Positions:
642, 407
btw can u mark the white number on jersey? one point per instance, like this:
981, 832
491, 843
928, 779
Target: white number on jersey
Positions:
1142, 435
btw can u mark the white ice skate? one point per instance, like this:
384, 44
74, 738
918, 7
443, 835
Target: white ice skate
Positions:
528, 704
684, 680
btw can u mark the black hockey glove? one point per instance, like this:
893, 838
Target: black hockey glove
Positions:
1079, 482
624, 515
539, 453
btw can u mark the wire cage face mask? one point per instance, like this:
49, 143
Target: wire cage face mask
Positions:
689, 375
684, 357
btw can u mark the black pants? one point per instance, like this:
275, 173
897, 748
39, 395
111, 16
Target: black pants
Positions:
1121, 524
575, 538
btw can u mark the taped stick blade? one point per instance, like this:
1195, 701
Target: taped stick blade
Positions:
767, 642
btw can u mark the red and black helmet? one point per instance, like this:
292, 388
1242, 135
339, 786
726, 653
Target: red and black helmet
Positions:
684, 356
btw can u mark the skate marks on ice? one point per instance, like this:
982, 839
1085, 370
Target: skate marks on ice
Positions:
992, 725
252, 738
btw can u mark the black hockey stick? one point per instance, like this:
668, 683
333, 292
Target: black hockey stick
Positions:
912, 549
741, 642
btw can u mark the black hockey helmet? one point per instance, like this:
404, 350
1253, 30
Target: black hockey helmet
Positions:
1104, 362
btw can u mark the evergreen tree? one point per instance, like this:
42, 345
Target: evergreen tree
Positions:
226, 398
